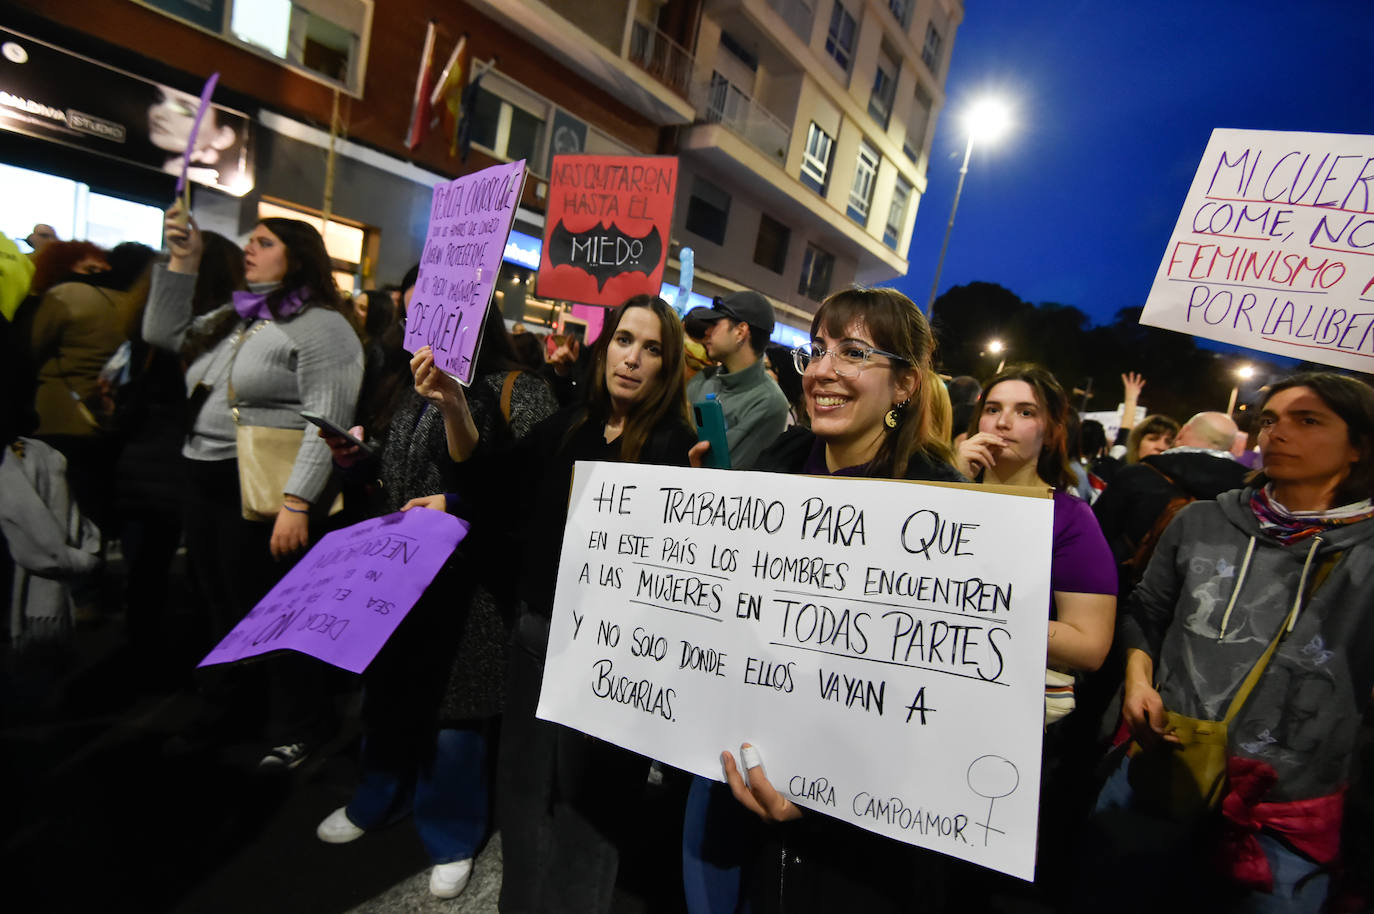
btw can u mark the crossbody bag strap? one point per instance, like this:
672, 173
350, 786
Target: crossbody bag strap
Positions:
229, 372
1252, 678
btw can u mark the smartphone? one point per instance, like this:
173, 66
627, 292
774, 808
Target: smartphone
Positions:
711, 427
334, 431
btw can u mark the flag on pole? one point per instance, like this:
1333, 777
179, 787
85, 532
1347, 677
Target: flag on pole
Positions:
419, 112
463, 135
449, 90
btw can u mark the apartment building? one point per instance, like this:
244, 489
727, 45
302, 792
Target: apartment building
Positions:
802, 127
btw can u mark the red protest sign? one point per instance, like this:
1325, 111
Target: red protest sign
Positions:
606, 228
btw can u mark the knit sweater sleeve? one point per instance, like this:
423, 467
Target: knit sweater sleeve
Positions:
531, 402
167, 317
329, 372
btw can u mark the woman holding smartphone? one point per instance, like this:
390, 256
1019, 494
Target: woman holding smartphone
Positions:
565, 799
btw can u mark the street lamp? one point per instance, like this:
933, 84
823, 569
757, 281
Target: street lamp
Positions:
996, 347
1243, 374
987, 120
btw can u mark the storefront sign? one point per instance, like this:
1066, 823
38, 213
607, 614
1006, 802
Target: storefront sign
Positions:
881, 643
1274, 249
52, 94
607, 227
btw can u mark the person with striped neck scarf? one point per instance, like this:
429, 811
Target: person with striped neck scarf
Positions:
1289, 556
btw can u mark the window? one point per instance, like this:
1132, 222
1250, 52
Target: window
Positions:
884, 88
901, 9
770, 249
896, 213
839, 40
865, 176
708, 210
817, 267
505, 130
735, 46
930, 52
325, 39
917, 124
815, 168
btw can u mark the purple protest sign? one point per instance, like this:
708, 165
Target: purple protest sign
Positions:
205, 95
346, 596
469, 220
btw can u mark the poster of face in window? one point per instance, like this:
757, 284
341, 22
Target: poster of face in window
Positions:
52, 94
607, 226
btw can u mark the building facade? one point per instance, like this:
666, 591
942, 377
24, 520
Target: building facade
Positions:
802, 127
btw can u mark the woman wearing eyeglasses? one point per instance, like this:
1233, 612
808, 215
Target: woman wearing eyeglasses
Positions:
861, 383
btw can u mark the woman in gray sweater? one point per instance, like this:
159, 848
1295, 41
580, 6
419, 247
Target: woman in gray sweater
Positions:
280, 347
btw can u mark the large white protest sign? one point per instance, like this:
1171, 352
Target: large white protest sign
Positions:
1274, 249
882, 643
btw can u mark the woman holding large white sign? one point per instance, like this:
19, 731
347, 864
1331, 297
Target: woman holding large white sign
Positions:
861, 379
565, 799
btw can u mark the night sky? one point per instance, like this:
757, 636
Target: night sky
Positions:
1113, 105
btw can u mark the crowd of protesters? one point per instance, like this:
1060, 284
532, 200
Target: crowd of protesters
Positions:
1210, 654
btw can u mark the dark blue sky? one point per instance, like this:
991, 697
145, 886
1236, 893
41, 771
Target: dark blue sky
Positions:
1114, 103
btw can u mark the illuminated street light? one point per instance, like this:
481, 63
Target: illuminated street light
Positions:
997, 347
985, 121
1243, 373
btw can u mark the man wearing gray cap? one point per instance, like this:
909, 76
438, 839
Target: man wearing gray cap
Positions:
755, 408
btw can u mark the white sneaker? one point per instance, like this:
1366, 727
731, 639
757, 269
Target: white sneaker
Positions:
338, 828
447, 880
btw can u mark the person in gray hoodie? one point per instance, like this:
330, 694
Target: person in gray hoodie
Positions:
1290, 556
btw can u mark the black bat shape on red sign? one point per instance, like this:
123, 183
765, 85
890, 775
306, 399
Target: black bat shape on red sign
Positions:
605, 251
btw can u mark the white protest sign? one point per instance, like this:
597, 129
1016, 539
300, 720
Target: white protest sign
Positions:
1274, 249
882, 643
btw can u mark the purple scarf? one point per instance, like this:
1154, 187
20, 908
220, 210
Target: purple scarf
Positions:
253, 305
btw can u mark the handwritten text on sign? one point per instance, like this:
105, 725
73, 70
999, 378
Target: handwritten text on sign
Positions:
882, 643
345, 597
1274, 249
607, 227
469, 221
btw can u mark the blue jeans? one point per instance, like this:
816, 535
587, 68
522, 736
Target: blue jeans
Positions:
445, 787
1299, 886
719, 839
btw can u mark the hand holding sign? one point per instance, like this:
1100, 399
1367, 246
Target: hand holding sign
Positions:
345, 597
469, 222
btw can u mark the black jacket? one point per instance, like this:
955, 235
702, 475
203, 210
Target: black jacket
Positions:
1138, 494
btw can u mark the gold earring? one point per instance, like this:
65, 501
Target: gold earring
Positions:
894, 415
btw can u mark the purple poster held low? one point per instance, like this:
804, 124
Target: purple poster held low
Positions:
346, 596
469, 220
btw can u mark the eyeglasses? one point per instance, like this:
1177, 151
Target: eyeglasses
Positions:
848, 360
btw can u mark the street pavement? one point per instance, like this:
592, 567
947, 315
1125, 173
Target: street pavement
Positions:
103, 811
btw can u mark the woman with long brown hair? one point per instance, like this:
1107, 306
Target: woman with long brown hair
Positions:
862, 380
284, 346
563, 802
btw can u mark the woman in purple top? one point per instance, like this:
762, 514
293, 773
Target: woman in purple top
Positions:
1017, 438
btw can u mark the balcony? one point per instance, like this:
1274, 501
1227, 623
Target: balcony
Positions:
661, 57
605, 44
718, 101
798, 14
